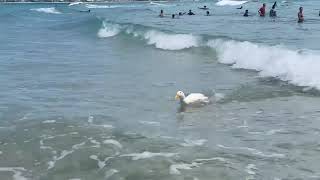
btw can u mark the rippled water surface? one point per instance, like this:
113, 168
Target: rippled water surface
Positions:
90, 95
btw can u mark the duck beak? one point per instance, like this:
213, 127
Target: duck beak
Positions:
177, 97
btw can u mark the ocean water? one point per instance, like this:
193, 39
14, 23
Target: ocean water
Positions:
88, 96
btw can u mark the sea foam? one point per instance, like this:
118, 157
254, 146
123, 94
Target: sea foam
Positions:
297, 68
50, 10
230, 3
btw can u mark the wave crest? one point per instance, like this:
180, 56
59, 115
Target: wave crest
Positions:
230, 3
297, 68
50, 10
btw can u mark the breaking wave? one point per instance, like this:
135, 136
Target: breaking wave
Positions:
230, 3
50, 10
294, 66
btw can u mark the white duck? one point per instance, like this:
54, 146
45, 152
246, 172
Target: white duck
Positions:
192, 99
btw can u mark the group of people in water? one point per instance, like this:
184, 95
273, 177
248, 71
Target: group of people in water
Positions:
261, 11
190, 13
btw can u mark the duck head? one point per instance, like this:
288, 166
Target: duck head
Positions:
180, 96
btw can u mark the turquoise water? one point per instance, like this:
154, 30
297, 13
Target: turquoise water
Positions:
91, 95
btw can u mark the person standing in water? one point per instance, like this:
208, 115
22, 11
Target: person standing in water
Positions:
300, 15
208, 13
273, 13
190, 13
262, 10
161, 13
246, 13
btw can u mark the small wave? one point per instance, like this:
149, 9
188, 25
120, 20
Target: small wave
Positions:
75, 3
17, 172
251, 168
101, 164
63, 154
95, 6
50, 10
230, 3
110, 173
254, 151
159, 4
171, 41
49, 121
146, 155
174, 168
191, 143
108, 30
113, 142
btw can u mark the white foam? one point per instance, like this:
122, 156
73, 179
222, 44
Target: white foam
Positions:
90, 118
95, 142
190, 142
110, 173
78, 146
42, 146
95, 6
109, 30
150, 123
211, 159
63, 154
254, 151
75, 3
75, 179
174, 168
113, 142
298, 68
159, 4
101, 164
251, 168
48, 121
230, 3
50, 10
166, 41
17, 172
146, 154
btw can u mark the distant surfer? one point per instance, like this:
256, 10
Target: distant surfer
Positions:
182, 13
300, 15
246, 13
262, 10
161, 13
240, 7
208, 13
190, 13
204, 8
173, 15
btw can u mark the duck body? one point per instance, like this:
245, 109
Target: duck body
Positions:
192, 99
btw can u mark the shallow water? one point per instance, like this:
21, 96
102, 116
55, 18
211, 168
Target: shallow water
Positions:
91, 95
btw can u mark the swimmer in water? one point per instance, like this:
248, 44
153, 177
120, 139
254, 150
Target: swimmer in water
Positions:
240, 7
273, 13
181, 14
208, 13
246, 13
204, 8
300, 15
262, 10
161, 13
173, 15
190, 13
